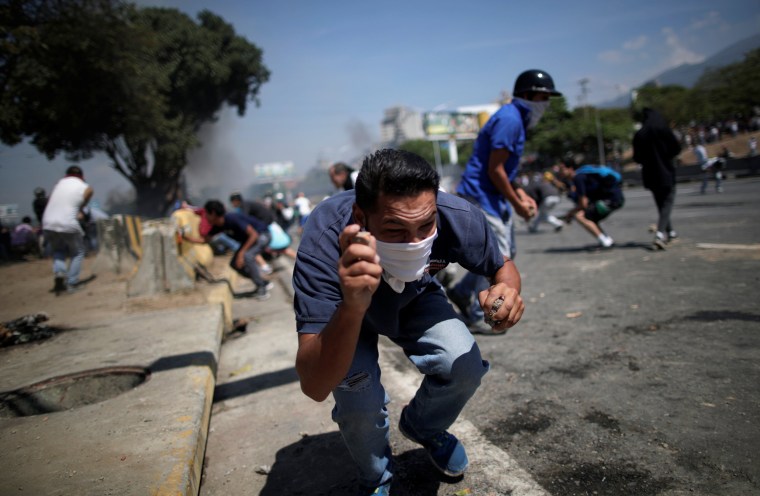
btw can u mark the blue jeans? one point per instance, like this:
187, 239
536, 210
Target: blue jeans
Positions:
250, 268
223, 242
442, 349
472, 284
66, 244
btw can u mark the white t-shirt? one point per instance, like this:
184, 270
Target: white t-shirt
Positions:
63, 206
303, 205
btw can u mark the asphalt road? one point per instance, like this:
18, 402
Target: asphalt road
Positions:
633, 371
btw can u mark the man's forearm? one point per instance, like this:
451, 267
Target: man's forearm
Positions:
249, 242
324, 359
509, 275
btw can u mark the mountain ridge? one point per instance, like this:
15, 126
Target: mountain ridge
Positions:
687, 75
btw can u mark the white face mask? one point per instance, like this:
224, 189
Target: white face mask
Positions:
537, 110
404, 262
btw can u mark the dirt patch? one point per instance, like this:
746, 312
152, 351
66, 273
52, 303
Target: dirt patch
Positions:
602, 420
28, 284
531, 419
602, 479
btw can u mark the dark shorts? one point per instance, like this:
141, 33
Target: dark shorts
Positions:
601, 209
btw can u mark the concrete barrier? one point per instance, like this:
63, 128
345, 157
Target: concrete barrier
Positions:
114, 254
161, 268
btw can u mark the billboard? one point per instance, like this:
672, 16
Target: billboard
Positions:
9, 213
446, 125
273, 171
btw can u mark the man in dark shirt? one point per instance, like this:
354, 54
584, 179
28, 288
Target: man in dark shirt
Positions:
655, 147
252, 208
253, 236
596, 191
39, 203
366, 266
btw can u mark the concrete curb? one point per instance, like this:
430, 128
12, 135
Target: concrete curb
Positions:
147, 440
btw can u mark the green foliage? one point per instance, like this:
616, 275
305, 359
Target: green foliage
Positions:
670, 101
731, 90
426, 150
561, 131
85, 76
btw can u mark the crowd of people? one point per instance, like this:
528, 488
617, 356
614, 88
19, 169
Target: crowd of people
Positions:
369, 259
694, 133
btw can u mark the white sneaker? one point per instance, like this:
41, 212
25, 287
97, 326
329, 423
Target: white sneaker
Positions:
266, 269
606, 241
660, 241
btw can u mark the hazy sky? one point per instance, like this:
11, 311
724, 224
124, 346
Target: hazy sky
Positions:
336, 65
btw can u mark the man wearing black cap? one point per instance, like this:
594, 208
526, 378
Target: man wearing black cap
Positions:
489, 180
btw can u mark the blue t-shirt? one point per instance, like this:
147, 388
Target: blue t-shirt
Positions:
596, 183
463, 237
504, 130
236, 226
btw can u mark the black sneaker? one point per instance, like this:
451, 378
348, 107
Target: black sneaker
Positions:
59, 285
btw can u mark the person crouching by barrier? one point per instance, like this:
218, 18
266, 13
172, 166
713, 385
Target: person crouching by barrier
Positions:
253, 236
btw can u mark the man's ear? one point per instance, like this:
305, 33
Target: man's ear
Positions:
359, 216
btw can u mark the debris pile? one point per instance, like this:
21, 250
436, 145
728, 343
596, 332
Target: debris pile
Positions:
25, 329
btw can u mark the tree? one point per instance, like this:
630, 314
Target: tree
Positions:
671, 101
731, 90
426, 150
561, 131
85, 76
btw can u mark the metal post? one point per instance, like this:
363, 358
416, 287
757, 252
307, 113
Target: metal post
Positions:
437, 155
453, 157
599, 139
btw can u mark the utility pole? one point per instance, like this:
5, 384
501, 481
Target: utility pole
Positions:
583, 99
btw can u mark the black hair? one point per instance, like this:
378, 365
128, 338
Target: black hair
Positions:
236, 196
74, 170
340, 167
26, 220
394, 173
214, 207
570, 160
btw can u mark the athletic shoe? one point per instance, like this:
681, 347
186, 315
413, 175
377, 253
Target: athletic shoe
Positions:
672, 236
262, 292
461, 302
659, 243
606, 242
444, 449
73, 288
383, 490
59, 285
266, 269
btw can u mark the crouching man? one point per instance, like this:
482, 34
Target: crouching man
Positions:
365, 267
